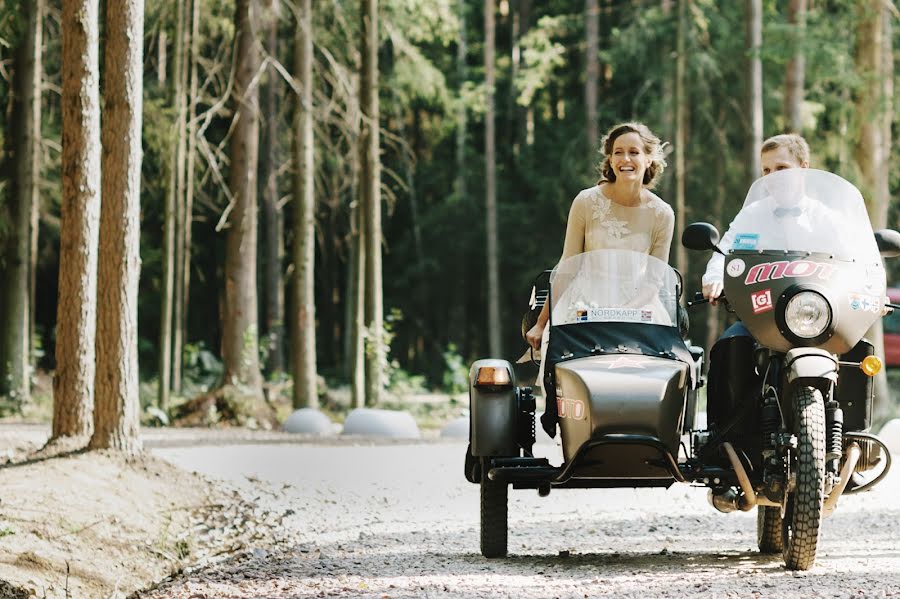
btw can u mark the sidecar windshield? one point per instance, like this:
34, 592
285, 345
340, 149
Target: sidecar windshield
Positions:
807, 210
613, 286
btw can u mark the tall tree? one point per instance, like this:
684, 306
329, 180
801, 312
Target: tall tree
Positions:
370, 186
117, 407
240, 342
303, 331
189, 165
493, 268
592, 72
680, 129
16, 259
73, 383
871, 147
796, 68
273, 221
754, 87
182, 70
461, 114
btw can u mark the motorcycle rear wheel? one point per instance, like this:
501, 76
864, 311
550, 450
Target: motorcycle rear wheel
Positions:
494, 512
803, 513
768, 529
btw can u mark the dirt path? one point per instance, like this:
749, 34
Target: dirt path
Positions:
400, 521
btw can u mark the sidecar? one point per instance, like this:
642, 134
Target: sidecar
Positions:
619, 383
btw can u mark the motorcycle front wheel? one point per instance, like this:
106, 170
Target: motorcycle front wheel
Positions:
803, 510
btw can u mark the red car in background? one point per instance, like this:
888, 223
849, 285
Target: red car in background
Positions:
892, 332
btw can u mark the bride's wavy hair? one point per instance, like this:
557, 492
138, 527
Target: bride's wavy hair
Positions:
653, 147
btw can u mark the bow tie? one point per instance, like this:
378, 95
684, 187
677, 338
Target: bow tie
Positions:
795, 211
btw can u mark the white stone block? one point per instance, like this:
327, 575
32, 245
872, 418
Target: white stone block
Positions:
381, 423
309, 421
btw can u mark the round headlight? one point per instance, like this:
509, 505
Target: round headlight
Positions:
807, 314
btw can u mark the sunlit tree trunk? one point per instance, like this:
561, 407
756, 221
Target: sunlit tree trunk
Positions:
182, 69
461, 113
871, 147
592, 72
493, 268
22, 198
371, 194
680, 131
73, 383
190, 164
796, 67
162, 57
240, 332
117, 407
303, 332
754, 87
273, 242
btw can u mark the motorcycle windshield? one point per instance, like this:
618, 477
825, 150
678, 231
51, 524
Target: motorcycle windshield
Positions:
613, 286
804, 210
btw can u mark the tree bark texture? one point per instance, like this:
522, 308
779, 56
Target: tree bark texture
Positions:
461, 115
680, 131
754, 88
73, 382
190, 163
592, 72
796, 68
371, 194
25, 140
240, 344
493, 268
273, 217
182, 68
303, 334
117, 403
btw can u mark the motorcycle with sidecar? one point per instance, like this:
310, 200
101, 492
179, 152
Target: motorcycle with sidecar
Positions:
788, 436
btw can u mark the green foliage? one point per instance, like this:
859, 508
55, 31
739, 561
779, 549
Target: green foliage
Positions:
456, 371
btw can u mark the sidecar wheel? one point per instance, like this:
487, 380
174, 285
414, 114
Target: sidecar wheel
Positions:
768, 529
494, 497
800, 527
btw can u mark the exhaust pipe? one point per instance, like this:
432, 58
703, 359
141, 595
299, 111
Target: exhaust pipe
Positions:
851, 456
748, 501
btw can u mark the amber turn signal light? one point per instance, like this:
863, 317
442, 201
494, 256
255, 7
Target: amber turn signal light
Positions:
493, 376
871, 365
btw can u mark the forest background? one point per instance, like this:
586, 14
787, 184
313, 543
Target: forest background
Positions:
283, 239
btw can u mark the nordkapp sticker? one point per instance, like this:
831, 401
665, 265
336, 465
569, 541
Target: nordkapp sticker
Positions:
736, 267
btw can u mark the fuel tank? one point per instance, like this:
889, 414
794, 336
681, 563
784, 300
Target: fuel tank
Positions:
624, 394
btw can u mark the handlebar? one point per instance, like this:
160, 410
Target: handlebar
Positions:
699, 299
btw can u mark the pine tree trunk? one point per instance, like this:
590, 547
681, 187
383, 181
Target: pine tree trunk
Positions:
190, 164
872, 148
274, 221
461, 115
356, 313
162, 56
493, 269
303, 337
754, 88
117, 407
182, 69
25, 139
371, 193
796, 66
73, 383
592, 72
240, 341
680, 132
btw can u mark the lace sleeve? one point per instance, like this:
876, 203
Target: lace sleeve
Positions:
575, 228
662, 231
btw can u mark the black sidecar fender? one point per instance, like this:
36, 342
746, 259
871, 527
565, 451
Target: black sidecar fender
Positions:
492, 410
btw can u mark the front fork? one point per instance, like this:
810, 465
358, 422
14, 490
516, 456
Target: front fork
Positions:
779, 445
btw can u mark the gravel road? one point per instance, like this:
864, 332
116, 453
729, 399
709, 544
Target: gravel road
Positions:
375, 520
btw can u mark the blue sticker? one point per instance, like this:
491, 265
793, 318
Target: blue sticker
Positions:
745, 241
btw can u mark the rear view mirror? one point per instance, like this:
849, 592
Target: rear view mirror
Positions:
700, 236
888, 242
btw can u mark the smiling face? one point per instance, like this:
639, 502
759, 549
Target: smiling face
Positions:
629, 159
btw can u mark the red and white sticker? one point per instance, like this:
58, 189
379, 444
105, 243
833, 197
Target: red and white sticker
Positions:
762, 301
771, 271
570, 408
